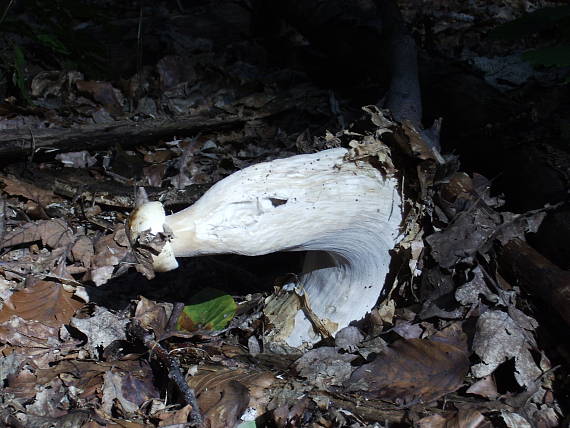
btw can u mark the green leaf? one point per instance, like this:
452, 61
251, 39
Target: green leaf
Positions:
248, 424
19, 73
534, 22
51, 41
213, 314
554, 56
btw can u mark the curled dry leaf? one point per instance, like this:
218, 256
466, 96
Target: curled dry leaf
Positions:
152, 315
45, 301
415, 370
485, 387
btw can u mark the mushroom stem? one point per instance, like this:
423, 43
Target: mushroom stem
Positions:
345, 213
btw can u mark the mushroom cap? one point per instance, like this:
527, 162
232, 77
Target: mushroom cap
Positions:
151, 217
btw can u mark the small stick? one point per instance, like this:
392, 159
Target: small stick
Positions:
172, 365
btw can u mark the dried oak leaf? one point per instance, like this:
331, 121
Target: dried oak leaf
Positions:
415, 370
45, 301
52, 233
15, 187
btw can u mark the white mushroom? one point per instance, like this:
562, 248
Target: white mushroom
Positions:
345, 213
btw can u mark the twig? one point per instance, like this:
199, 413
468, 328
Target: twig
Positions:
172, 365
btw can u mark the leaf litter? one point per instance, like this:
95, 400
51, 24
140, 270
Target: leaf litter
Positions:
434, 354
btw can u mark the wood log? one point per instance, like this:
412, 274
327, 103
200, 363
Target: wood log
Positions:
537, 275
19, 143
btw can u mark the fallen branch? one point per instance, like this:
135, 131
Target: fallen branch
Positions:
172, 365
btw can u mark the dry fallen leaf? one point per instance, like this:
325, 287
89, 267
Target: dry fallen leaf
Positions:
415, 370
53, 233
176, 417
464, 418
28, 333
102, 328
499, 338
103, 93
152, 316
325, 366
14, 186
45, 301
224, 394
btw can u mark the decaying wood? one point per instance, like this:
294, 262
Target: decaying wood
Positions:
537, 275
20, 143
24, 142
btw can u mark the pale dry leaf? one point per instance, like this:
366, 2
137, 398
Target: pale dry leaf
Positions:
408, 330
463, 418
83, 251
325, 366
499, 338
28, 334
348, 338
102, 328
470, 293
485, 387
80, 159
514, 420
169, 418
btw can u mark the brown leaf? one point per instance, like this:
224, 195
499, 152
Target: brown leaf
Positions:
45, 301
180, 416
103, 93
82, 251
151, 316
223, 394
464, 418
485, 387
415, 370
15, 187
29, 334
53, 233
109, 252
